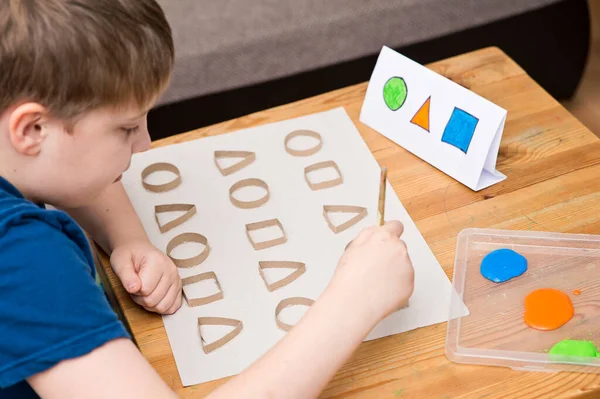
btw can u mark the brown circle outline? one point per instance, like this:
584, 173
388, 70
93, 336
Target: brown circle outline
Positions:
303, 153
252, 182
188, 237
287, 303
161, 166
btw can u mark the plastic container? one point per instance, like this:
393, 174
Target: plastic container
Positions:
494, 332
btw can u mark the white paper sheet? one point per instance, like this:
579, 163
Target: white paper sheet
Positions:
309, 239
474, 166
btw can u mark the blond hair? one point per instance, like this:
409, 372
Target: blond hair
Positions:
76, 55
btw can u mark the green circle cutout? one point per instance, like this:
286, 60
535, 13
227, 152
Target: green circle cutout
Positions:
394, 93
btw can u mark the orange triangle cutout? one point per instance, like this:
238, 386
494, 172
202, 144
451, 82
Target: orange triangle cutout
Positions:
421, 118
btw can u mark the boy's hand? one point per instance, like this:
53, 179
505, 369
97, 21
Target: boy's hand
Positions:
148, 275
375, 274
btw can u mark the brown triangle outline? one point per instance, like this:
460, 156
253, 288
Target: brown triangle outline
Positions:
248, 158
189, 209
299, 269
218, 321
361, 213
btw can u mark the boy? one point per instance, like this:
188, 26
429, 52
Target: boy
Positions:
76, 80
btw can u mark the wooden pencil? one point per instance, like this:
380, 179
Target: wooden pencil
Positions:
381, 203
381, 209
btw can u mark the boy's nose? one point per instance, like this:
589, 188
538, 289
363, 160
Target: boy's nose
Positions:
142, 143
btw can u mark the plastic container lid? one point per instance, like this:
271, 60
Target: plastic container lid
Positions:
494, 332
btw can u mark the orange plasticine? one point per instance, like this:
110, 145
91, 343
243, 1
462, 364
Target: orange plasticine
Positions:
547, 309
577, 292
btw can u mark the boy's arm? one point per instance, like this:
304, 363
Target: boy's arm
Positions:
111, 219
374, 277
115, 370
303, 362
145, 272
298, 367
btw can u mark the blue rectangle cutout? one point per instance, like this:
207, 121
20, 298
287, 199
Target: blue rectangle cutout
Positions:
460, 129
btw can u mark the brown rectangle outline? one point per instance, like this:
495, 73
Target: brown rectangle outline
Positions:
324, 184
261, 225
205, 300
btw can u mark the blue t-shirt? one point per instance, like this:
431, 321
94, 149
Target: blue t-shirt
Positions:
50, 306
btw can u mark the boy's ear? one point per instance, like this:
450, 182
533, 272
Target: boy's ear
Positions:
26, 128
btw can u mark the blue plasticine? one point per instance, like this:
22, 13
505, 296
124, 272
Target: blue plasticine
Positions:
502, 265
460, 129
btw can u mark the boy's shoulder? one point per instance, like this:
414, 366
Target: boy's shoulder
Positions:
31, 226
50, 307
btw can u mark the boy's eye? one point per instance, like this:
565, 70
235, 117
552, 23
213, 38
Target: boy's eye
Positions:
130, 130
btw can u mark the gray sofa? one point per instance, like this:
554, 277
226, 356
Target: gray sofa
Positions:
225, 44
235, 57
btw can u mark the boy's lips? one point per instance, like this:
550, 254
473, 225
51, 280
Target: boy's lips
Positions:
121, 175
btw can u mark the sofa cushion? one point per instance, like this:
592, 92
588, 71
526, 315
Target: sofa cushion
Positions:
225, 44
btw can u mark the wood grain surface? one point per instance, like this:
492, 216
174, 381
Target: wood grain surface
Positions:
553, 166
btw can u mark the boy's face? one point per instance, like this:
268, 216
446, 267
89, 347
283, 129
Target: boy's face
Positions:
74, 166
101, 145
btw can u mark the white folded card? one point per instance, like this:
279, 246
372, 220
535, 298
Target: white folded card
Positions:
443, 123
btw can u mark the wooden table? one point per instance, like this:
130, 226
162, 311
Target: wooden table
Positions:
553, 166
